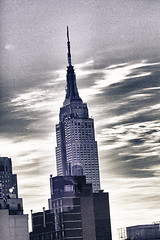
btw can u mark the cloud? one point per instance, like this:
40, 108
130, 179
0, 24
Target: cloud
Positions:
126, 115
128, 110
9, 47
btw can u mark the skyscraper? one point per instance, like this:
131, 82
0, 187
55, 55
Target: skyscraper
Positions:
8, 180
78, 208
76, 151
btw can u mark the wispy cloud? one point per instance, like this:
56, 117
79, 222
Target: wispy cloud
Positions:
126, 116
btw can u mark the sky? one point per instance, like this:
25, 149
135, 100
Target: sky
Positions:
115, 52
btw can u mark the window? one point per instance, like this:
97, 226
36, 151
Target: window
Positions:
68, 188
19, 206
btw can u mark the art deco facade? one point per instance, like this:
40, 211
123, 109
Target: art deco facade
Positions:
76, 151
78, 208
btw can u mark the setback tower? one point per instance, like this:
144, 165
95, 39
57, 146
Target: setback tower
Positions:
78, 209
76, 151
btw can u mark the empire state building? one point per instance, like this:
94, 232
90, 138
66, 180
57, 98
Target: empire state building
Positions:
78, 209
76, 151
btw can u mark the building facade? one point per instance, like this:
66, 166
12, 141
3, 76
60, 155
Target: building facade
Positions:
75, 212
144, 232
13, 227
76, 151
79, 213
8, 180
43, 226
13, 223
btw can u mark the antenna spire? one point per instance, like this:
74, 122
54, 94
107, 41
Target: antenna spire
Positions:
71, 89
69, 49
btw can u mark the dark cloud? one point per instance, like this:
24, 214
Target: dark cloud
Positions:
136, 141
89, 81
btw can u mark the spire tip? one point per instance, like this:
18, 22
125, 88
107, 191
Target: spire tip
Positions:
67, 33
69, 51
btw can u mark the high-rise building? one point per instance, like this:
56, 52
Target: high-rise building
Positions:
8, 180
76, 151
78, 208
79, 213
13, 223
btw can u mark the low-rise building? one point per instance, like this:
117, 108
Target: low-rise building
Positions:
43, 226
143, 232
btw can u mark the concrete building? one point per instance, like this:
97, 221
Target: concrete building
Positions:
76, 151
13, 223
144, 232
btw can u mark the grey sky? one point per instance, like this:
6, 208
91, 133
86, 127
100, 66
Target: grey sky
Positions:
115, 50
